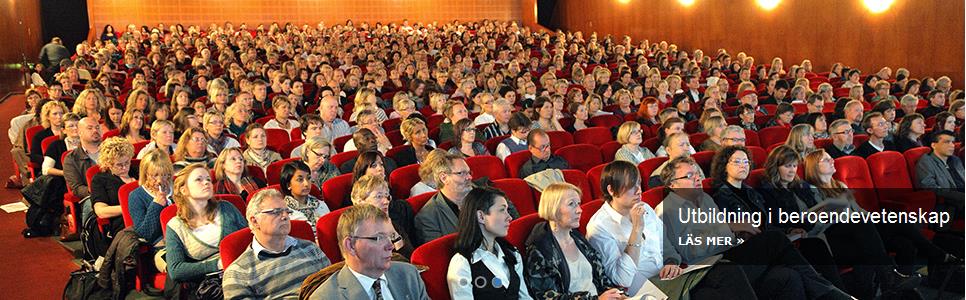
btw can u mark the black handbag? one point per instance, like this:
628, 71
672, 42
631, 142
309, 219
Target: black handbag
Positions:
82, 285
34, 192
210, 287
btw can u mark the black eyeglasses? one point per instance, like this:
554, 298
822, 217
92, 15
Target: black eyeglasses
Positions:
380, 238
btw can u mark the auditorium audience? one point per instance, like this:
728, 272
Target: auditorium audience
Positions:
274, 264
220, 74
772, 266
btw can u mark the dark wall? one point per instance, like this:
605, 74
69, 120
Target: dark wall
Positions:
65, 19
20, 38
925, 36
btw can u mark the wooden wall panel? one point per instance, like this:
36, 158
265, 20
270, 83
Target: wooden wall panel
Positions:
925, 36
20, 21
203, 12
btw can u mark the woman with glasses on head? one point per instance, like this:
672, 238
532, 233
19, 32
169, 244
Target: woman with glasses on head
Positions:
374, 190
193, 236
466, 143
560, 262
231, 174
630, 135
482, 252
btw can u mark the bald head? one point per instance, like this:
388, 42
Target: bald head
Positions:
329, 108
89, 130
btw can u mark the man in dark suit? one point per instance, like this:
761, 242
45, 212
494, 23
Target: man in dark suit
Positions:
439, 216
366, 240
941, 171
694, 89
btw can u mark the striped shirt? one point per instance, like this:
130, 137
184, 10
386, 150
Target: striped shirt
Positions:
258, 276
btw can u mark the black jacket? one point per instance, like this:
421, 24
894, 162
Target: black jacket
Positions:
785, 199
745, 199
546, 269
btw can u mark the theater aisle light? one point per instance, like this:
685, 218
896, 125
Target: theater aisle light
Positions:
878, 6
624, 1
686, 3
768, 4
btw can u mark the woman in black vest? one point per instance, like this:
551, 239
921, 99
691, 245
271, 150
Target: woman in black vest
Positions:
485, 265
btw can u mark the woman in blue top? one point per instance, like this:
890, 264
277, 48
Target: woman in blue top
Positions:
152, 195
194, 234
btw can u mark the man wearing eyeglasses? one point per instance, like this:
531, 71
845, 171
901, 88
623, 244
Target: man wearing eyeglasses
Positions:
878, 128
541, 159
439, 216
275, 264
853, 113
365, 240
842, 135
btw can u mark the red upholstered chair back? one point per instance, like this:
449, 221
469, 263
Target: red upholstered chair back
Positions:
123, 195
486, 166
436, 255
588, 210
402, 179
519, 193
520, 230
326, 236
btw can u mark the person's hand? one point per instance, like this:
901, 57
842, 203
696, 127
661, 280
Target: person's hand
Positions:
612, 294
637, 213
670, 271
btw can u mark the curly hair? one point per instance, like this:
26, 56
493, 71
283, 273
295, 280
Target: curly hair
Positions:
719, 164
112, 150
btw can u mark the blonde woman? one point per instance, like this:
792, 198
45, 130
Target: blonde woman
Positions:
714, 126
214, 126
374, 190
402, 107
415, 132
162, 137
427, 183
152, 195
114, 159
257, 153
801, 138
366, 99
631, 136
52, 120
139, 99
90, 103
194, 234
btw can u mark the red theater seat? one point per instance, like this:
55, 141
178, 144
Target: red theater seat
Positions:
581, 156
486, 166
593, 135
519, 193
894, 185
436, 255
520, 230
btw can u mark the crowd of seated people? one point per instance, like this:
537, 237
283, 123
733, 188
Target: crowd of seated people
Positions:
280, 115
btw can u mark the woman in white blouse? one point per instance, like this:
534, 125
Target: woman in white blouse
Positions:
485, 265
631, 137
625, 230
